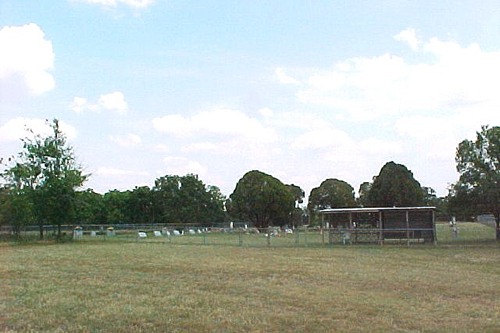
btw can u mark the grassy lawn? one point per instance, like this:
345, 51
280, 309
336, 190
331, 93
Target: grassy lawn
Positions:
117, 286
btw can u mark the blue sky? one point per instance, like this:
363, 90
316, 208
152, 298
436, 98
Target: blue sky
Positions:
302, 90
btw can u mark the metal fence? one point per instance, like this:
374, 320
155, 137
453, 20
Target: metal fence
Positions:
466, 233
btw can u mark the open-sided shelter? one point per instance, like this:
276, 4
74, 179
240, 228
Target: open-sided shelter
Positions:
380, 224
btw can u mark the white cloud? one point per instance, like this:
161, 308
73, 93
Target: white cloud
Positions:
220, 122
109, 171
408, 36
440, 135
381, 147
266, 112
16, 129
25, 60
442, 76
79, 104
182, 166
127, 141
284, 78
114, 102
137, 4
322, 138
201, 146
423, 127
174, 124
161, 148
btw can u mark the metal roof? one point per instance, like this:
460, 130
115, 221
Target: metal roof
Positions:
373, 209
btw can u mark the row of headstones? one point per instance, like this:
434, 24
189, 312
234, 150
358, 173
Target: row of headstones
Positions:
168, 233
78, 233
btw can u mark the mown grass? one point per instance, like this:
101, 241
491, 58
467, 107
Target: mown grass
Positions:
113, 286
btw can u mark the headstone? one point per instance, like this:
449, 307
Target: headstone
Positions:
142, 234
110, 231
191, 232
93, 233
78, 233
176, 232
157, 233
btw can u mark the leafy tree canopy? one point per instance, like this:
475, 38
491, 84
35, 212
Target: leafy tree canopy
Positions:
332, 193
186, 199
262, 199
46, 174
364, 190
395, 186
478, 163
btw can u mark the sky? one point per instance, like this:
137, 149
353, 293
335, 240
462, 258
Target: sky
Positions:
301, 90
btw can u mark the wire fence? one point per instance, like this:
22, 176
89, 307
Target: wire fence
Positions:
464, 233
311, 237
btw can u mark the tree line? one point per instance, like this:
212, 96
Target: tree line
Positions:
42, 185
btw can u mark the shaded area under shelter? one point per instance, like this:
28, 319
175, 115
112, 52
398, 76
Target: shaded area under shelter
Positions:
380, 225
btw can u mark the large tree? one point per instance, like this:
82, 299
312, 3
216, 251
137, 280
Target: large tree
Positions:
90, 208
16, 209
116, 205
47, 174
395, 186
262, 199
186, 199
478, 163
140, 205
332, 193
364, 190
298, 214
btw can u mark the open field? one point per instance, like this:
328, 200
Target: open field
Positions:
133, 286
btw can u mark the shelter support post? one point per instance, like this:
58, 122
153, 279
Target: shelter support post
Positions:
408, 228
381, 226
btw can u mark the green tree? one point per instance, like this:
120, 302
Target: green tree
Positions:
16, 209
429, 196
166, 199
116, 207
364, 189
215, 206
297, 217
90, 208
47, 173
478, 163
261, 199
298, 194
186, 199
140, 205
395, 186
461, 202
332, 193
194, 199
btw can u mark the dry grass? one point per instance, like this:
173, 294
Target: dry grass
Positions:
162, 287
